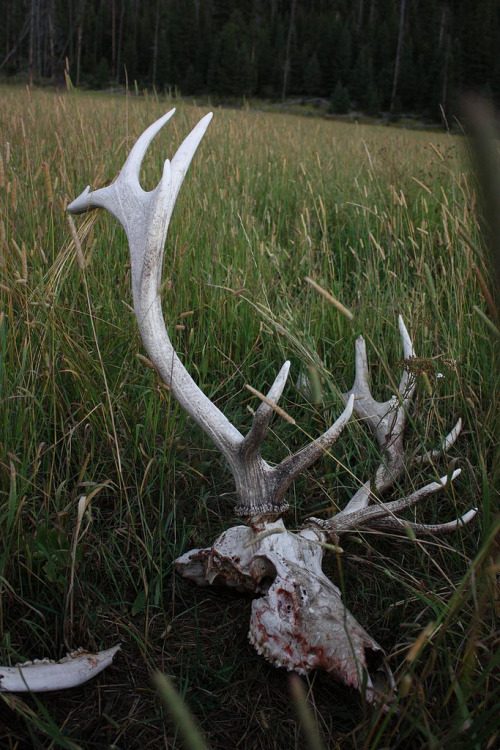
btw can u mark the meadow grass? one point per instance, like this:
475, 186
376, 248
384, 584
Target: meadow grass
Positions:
386, 221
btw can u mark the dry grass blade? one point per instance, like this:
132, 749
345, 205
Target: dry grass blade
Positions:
180, 714
80, 258
330, 298
306, 716
488, 297
281, 412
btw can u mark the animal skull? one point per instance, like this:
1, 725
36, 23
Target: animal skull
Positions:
298, 619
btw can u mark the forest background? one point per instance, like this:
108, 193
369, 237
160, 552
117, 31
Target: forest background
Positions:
412, 56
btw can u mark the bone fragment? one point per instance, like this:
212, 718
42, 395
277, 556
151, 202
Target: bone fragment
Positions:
44, 675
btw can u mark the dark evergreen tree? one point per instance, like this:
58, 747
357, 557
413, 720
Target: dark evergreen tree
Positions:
342, 52
231, 69
312, 76
102, 74
339, 103
362, 83
266, 79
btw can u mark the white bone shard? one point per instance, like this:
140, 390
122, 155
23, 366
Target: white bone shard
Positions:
43, 675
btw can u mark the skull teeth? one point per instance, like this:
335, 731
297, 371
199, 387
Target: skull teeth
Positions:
267, 654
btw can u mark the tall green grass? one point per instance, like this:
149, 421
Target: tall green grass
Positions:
386, 221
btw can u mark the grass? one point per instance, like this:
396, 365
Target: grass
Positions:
387, 222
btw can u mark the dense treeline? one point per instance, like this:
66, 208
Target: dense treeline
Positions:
373, 55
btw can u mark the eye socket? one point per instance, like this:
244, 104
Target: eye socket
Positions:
263, 572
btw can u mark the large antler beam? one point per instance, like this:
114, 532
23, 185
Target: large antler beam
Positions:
145, 216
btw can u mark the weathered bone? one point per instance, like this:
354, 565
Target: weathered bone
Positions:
145, 217
387, 420
298, 620
44, 675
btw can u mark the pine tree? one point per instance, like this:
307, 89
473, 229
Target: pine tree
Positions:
362, 79
343, 53
231, 69
312, 76
265, 63
339, 103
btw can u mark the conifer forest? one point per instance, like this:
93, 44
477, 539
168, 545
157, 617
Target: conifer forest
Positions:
412, 56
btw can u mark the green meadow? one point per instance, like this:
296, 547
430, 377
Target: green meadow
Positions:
387, 221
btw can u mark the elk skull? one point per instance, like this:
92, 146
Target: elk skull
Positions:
298, 619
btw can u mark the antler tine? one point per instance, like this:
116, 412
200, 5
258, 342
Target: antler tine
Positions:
395, 525
382, 517
387, 419
132, 167
367, 517
263, 414
292, 466
447, 442
407, 383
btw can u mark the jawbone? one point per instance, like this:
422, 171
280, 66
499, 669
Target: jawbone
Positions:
43, 675
299, 621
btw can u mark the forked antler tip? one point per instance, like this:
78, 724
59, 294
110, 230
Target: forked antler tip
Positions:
127, 182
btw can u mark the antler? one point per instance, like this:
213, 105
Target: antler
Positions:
299, 620
145, 217
387, 421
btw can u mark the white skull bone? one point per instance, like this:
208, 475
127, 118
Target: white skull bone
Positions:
299, 621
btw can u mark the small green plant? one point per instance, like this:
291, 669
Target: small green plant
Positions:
51, 553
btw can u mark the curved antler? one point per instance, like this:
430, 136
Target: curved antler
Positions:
145, 216
387, 420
